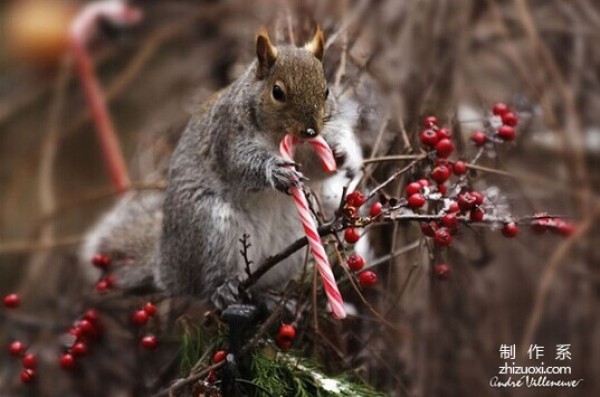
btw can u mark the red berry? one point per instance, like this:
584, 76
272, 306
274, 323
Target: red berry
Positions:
478, 197
510, 118
283, 343
444, 133
367, 279
79, 349
506, 133
453, 207
540, 225
110, 280
478, 138
416, 201
564, 228
429, 137
442, 237
477, 214
67, 361
423, 182
16, 348
445, 162
76, 332
510, 230
444, 147
29, 361
355, 262
442, 189
376, 209
101, 261
466, 201
350, 211
287, 331
441, 271
92, 316
86, 327
450, 221
500, 108
102, 286
27, 375
139, 317
219, 356
460, 168
351, 235
430, 121
149, 342
440, 174
11, 301
413, 188
429, 228
150, 309
212, 376
355, 199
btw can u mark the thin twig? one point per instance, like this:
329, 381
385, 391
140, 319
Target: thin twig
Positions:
548, 277
394, 176
22, 247
400, 329
245, 241
535, 179
181, 383
397, 157
356, 13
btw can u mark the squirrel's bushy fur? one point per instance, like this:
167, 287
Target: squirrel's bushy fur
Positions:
226, 178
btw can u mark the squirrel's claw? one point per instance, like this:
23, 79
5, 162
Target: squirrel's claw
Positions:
282, 175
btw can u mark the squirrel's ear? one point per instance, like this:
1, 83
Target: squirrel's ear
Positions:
317, 45
266, 53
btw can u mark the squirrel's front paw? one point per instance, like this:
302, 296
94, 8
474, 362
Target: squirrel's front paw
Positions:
282, 175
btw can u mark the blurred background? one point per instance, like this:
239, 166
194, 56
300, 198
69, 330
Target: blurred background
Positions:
401, 60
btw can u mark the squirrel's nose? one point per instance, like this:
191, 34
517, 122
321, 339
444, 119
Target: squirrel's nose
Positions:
310, 132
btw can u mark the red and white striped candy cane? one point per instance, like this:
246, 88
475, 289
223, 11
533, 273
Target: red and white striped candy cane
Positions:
287, 149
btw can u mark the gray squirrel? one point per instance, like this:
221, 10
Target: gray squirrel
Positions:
226, 179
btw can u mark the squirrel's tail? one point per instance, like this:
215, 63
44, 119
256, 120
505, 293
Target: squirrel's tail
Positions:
128, 235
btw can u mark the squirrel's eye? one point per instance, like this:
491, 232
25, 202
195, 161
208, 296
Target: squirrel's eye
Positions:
327, 93
278, 93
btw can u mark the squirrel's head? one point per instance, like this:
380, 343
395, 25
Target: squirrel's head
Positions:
294, 89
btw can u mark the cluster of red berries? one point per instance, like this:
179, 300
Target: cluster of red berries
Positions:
436, 138
107, 280
439, 141
285, 336
505, 132
463, 204
354, 201
17, 348
28, 360
139, 318
356, 263
351, 209
85, 331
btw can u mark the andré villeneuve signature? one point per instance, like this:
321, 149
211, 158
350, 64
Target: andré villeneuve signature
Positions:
533, 381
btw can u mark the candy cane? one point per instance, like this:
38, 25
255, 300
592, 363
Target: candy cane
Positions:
287, 149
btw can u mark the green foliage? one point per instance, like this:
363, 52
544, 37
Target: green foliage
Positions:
197, 344
285, 375
281, 374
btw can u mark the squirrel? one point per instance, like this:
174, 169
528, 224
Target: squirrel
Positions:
226, 179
